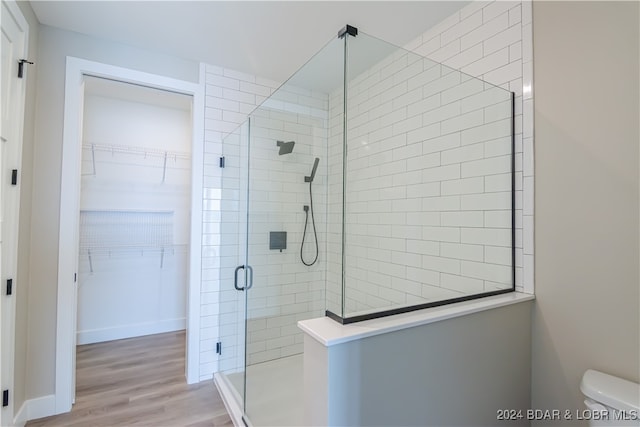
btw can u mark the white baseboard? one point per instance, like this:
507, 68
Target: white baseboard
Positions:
130, 331
21, 418
33, 409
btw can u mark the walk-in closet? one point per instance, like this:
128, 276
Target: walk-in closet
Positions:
134, 211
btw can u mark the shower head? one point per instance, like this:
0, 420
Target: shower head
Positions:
285, 147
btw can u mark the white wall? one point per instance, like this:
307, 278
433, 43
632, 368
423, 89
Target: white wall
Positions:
133, 281
54, 46
586, 314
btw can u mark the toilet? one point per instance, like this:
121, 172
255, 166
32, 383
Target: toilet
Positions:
610, 401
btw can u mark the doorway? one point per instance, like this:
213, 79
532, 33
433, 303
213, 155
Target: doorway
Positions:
161, 234
134, 211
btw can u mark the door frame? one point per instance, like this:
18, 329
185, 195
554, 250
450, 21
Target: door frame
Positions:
8, 303
76, 69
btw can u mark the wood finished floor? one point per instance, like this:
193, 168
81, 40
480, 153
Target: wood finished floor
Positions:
139, 382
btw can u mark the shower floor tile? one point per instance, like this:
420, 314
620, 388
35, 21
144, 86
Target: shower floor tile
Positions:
275, 392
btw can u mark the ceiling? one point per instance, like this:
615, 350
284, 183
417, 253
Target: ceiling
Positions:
266, 38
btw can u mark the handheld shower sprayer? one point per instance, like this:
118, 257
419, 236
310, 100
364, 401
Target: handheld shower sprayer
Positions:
309, 179
313, 171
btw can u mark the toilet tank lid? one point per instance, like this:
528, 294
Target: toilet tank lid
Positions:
612, 391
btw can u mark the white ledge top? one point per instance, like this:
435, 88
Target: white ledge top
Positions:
329, 332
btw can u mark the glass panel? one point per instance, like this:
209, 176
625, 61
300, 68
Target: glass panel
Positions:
428, 182
228, 241
288, 233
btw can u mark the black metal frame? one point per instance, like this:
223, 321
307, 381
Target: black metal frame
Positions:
348, 29
400, 310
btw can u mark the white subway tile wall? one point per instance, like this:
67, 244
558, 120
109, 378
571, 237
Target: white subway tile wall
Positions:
428, 175
495, 41
284, 290
334, 254
230, 97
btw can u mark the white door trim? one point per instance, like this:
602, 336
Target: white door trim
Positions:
69, 211
10, 223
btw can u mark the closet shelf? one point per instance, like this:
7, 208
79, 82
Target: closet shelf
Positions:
143, 151
114, 233
126, 248
123, 250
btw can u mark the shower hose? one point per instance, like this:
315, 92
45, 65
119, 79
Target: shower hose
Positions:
313, 223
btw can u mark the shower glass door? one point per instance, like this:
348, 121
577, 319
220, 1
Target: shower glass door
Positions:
289, 200
225, 239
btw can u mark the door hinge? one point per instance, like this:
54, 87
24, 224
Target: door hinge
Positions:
14, 177
222, 161
75, 277
219, 348
9, 286
5, 398
21, 67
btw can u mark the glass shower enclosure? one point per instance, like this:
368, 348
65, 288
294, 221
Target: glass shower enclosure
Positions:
373, 182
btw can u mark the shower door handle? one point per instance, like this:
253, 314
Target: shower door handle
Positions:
249, 284
235, 278
248, 279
